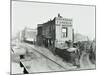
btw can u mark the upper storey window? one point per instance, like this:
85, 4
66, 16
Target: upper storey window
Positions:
64, 32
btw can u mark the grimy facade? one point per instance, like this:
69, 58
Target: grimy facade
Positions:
55, 33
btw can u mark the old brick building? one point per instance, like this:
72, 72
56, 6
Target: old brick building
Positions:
55, 33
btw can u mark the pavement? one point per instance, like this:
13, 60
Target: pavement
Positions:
50, 55
35, 62
40, 59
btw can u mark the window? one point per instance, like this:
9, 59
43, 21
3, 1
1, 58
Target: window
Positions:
64, 32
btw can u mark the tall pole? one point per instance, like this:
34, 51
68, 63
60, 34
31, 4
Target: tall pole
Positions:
73, 34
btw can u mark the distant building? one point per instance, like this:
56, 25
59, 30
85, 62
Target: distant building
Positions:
29, 34
55, 33
79, 37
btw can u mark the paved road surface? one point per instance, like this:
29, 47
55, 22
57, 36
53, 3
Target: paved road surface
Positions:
35, 61
39, 59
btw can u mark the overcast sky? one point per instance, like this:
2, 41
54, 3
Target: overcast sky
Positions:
29, 14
